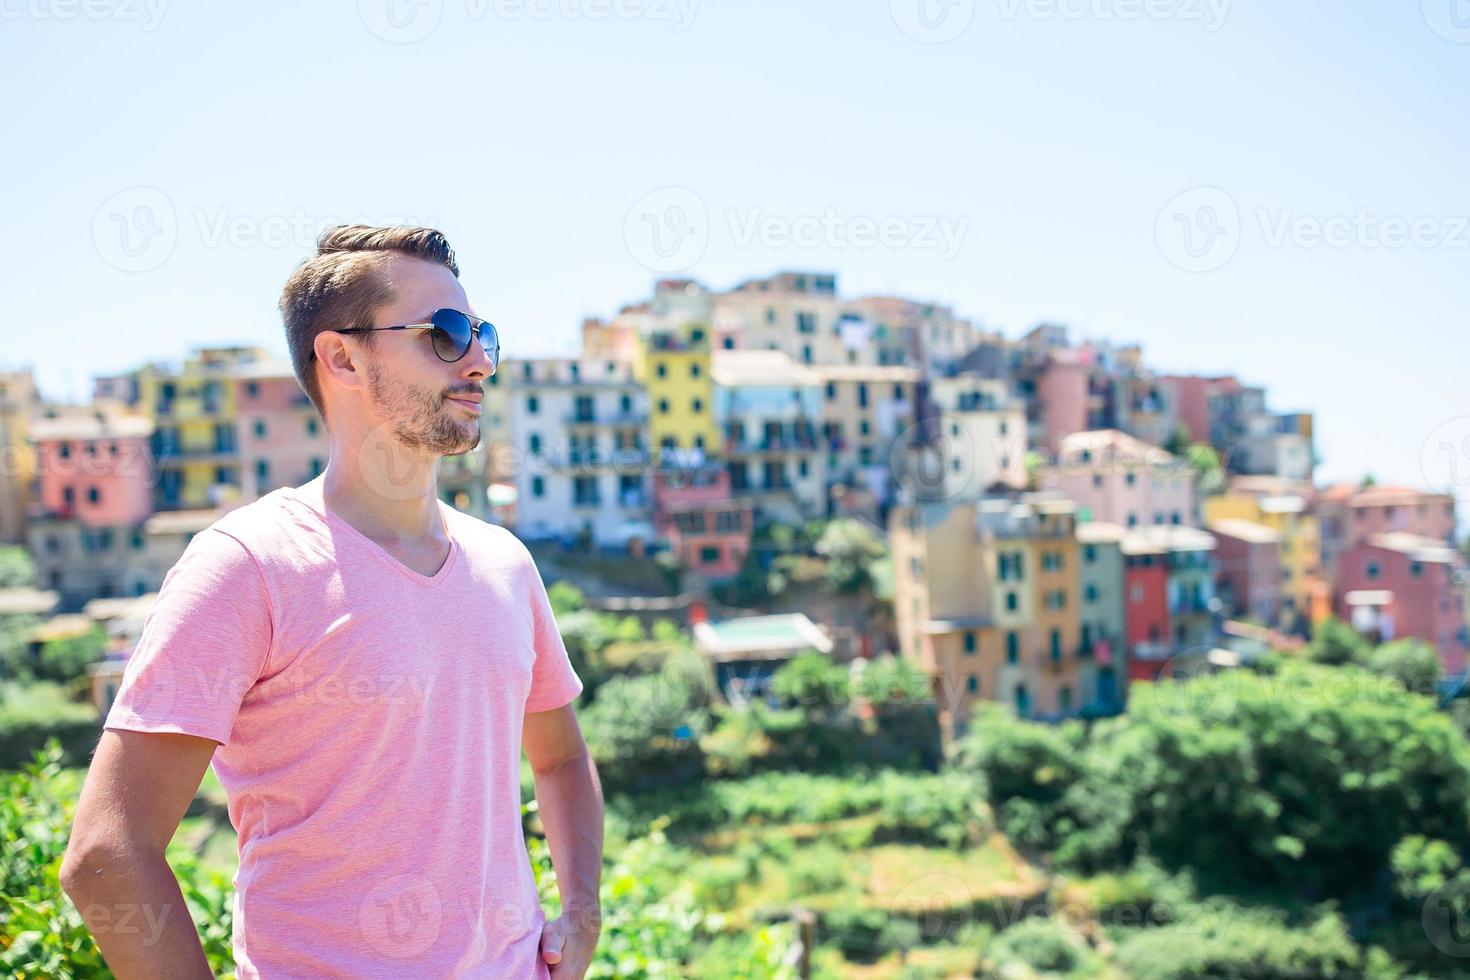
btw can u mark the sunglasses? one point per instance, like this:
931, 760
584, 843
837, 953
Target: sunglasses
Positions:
451, 332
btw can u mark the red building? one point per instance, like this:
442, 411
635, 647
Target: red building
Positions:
1146, 612
1401, 584
704, 525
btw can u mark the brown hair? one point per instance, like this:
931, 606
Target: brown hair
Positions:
343, 284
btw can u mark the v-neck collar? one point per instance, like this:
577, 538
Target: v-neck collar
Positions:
313, 495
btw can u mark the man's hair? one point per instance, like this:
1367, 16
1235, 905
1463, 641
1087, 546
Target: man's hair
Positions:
344, 283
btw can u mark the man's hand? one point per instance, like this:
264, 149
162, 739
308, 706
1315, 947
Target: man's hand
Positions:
567, 948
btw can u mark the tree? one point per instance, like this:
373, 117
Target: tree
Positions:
17, 569
1412, 662
1336, 643
850, 548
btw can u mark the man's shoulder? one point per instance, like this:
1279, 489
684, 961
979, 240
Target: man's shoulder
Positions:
484, 538
271, 523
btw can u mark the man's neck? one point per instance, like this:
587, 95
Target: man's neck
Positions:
386, 494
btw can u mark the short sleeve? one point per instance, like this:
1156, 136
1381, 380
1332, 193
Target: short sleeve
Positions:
553, 681
204, 644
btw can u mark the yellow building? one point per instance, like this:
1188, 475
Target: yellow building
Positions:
18, 402
674, 367
1301, 548
980, 590
1056, 634
193, 412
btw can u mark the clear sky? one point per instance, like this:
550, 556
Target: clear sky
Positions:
1027, 156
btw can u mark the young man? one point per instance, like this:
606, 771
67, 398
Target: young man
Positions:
364, 665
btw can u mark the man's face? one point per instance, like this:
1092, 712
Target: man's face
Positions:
430, 405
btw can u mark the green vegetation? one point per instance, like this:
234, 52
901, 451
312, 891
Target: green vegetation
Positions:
1308, 818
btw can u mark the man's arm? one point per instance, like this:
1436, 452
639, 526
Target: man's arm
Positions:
137, 790
569, 798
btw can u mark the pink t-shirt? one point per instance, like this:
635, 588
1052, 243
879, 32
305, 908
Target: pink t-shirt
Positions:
369, 721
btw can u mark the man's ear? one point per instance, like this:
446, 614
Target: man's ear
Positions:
335, 358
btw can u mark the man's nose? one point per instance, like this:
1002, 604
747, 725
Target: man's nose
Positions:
477, 363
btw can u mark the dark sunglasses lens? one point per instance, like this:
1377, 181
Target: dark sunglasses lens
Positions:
451, 334
490, 340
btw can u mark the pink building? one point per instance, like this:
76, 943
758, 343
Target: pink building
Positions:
1351, 515
707, 528
1122, 480
1401, 584
281, 438
95, 467
1192, 397
1063, 395
1249, 555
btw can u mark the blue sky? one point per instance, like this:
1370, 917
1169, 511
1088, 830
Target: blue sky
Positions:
1053, 138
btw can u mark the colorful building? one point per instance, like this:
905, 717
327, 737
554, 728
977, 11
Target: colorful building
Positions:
1170, 607
1250, 569
706, 526
194, 436
1116, 478
1400, 584
674, 367
1299, 547
281, 440
1102, 646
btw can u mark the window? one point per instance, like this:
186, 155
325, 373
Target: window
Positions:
831, 391
1013, 647
69, 495
698, 405
316, 466
262, 471
1091, 592
1372, 569
663, 406
260, 428
1131, 479
973, 684
1416, 569
531, 405
970, 641
1056, 645
625, 404
1012, 602
862, 392
535, 442
1089, 553
94, 495
538, 486
661, 369
311, 427
694, 370
709, 554
1096, 480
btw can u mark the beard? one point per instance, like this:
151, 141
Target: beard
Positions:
421, 418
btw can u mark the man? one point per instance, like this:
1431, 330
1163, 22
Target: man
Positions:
364, 666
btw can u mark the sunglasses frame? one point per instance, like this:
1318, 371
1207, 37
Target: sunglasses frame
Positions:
476, 323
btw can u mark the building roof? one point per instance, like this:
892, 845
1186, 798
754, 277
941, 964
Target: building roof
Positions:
1117, 445
22, 601
1416, 546
1282, 504
1243, 530
758, 368
1159, 538
1100, 532
760, 637
261, 370
942, 626
93, 425
865, 372
181, 521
